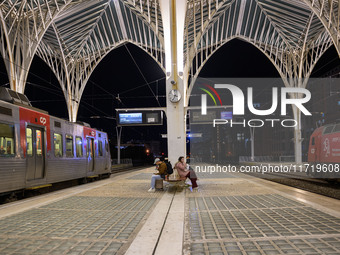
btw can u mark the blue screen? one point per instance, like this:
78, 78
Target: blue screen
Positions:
226, 115
130, 118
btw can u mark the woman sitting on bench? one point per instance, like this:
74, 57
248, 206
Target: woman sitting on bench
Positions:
182, 171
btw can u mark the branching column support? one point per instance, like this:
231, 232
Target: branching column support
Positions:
298, 65
22, 28
297, 83
328, 11
173, 16
68, 78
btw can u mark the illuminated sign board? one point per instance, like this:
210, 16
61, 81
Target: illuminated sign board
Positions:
226, 115
196, 116
130, 118
139, 118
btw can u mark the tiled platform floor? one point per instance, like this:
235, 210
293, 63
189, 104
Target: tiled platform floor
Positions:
102, 220
242, 216
229, 214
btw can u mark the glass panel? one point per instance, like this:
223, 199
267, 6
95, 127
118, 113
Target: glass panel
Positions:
313, 141
337, 128
91, 147
328, 130
6, 140
89, 151
58, 145
88, 147
29, 141
69, 146
38, 142
106, 146
79, 147
100, 148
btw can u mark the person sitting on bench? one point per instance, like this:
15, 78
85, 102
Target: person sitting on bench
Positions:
161, 167
182, 171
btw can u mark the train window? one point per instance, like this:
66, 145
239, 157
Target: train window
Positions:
6, 140
69, 146
58, 145
328, 130
106, 146
29, 141
100, 148
79, 147
313, 141
38, 142
337, 128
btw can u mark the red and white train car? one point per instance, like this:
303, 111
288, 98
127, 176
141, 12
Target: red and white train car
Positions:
37, 149
324, 152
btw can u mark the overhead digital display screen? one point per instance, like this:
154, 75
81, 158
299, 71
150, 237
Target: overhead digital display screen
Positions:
197, 117
130, 118
139, 118
152, 117
226, 115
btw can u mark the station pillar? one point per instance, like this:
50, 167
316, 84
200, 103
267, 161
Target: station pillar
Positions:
176, 122
173, 18
297, 135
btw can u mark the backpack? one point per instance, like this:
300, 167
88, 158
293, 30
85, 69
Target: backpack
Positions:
169, 168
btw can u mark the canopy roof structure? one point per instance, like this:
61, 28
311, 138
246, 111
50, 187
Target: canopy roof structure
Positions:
73, 36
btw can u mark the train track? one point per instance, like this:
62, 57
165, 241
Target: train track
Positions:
318, 186
122, 170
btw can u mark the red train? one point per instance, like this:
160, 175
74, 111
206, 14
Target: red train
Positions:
324, 152
37, 149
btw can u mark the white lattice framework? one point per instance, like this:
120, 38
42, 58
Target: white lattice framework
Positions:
81, 44
72, 37
23, 25
292, 34
292, 37
329, 14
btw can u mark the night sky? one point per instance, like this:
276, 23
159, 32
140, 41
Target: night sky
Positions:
118, 74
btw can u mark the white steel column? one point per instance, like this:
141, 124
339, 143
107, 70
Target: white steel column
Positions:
300, 83
297, 135
119, 135
297, 83
172, 14
252, 143
176, 126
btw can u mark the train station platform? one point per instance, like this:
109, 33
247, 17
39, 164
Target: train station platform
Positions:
228, 214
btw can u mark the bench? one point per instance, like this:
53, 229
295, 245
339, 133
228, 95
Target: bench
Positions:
172, 179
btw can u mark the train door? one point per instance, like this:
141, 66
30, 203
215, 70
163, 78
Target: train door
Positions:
90, 154
35, 153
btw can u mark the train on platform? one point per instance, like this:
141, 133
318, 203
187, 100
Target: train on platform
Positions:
37, 150
324, 152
